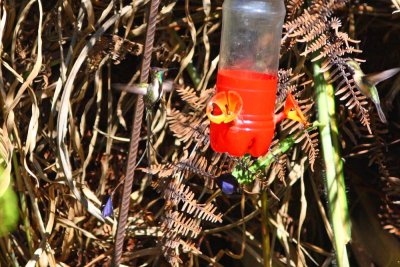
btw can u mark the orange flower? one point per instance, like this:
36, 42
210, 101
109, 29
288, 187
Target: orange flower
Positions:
224, 107
292, 110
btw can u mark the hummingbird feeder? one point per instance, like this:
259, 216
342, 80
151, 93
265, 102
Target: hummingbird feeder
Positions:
242, 111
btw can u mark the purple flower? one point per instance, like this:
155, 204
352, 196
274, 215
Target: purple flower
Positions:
108, 208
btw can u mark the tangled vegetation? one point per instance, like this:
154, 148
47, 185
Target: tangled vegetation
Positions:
66, 140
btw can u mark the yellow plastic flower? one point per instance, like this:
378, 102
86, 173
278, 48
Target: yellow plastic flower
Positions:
224, 107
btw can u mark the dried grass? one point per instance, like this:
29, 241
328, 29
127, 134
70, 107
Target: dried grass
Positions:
65, 132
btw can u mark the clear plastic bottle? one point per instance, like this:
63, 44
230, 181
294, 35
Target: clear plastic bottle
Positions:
251, 35
249, 60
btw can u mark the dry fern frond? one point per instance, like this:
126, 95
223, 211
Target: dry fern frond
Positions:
348, 91
390, 207
191, 127
188, 128
176, 225
161, 170
189, 247
174, 241
221, 163
177, 193
196, 164
165, 54
320, 31
375, 147
171, 242
287, 83
308, 139
115, 46
190, 96
310, 145
170, 247
179, 223
204, 212
316, 44
390, 181
293, 6
302, 24
281, 167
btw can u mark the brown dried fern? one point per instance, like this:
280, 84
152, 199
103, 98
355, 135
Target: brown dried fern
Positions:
177, 226
189, 128
310, 145
287, 83
308, 139
376, 148
112, 45
191, 97
179, 223
293, 6
320, 31
349, 93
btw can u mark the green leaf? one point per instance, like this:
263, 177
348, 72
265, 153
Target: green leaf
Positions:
8, 211
5, 171
6, 150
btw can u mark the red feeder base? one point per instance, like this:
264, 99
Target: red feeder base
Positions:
252, 132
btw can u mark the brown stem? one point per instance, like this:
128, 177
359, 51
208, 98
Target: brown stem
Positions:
137, 124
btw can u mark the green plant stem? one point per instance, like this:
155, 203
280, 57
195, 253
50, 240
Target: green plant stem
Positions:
22, 199
334, 184
247, 175
282, 148
265, 230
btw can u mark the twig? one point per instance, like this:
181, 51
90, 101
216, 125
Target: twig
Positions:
265, 230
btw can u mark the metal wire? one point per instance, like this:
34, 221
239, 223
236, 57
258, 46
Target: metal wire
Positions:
133, 147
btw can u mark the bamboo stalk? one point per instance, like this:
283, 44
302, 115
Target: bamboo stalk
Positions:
334, 183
